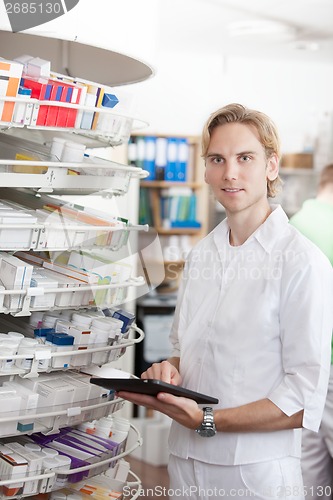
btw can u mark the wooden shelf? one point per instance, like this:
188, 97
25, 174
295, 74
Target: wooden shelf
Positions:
174, 263
298, 171
178, 230
153, 190
170, 184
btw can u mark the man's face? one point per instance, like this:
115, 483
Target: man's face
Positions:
237, 168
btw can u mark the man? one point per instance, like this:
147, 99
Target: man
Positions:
315, 221
252, 327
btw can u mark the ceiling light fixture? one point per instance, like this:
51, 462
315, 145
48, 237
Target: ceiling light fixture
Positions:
309, 46
262, 28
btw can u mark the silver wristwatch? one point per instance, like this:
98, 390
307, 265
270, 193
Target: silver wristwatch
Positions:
207, 428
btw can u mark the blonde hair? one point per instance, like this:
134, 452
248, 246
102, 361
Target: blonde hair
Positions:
267, 132
326, 176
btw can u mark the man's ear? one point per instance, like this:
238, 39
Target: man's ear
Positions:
272, 170
205, 177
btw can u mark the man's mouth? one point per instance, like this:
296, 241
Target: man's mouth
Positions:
232, 190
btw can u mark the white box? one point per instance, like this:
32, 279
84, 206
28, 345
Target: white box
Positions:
55, 392
34, 466
15, 275
41, 280
86, 278
29, 404
68, 299
13, 466
81, 389
10, 404
23, 59
32, 383
62, 236
38, 67
12, 238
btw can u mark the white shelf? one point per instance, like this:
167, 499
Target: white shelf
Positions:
116, 134
38, 240
68, 411
118, 349
115, 182
93, 174
100, 301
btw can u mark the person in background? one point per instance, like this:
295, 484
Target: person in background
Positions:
315, 221
252, 327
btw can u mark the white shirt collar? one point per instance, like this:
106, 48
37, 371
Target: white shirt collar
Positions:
266, 234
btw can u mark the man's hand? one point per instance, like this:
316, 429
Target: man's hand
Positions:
167, 371
184, 411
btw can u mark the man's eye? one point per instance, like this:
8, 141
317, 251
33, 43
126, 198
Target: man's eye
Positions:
245, 158
217, 159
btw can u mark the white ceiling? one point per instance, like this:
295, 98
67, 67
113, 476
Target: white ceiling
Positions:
202, 25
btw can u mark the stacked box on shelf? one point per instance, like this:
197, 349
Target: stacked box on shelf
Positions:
10, 75
165, 158
178, 208
20, 82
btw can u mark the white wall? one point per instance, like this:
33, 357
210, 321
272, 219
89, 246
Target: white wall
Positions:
187, 87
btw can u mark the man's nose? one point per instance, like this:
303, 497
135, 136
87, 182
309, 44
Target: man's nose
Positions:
230, 171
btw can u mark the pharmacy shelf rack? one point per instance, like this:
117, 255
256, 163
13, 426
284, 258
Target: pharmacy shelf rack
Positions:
49, 175
111, 352
100, 465
115, 134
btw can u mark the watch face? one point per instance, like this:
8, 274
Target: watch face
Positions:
207, 432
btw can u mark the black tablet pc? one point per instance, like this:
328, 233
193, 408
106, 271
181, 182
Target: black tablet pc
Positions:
151, 387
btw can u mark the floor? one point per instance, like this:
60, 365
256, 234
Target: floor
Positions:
154, 479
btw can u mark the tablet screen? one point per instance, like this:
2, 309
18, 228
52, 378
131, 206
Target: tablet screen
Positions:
151, 387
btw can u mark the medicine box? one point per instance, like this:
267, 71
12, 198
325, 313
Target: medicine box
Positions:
86, 278
15, 275
59, 232
13, 466
34, 466
10, 404
29, 404
17, 238
43, 282
38, 67
68, 299
56, 394
10, 76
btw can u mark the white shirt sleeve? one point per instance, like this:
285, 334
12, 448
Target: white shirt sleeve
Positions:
174, 338
306, 321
